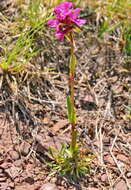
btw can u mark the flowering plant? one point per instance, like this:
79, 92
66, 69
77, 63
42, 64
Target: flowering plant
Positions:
66, 19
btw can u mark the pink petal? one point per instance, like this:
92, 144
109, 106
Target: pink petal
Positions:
66, 16
57, 11
65, 5
80, 22
76, 12
53, 23
63, 8
60, 35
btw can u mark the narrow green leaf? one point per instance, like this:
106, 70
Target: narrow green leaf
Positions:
69, 153
4, 65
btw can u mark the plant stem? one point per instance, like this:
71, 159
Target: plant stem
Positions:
73, 129
71, 86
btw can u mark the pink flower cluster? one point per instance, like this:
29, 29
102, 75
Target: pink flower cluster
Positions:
66, 19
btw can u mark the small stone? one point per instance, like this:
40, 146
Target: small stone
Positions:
115, 150
29, 180
5, 165
101, 102
18, 163
106, 140
13, 172
14, 155
104, 178
3, 179
118, 90
128, 174
105, 153
25, 148
49, 186
53, 179
123, 158
113, 79
4, 186
129, 181
59, 125
129, 140
2, 174
46, 120
97, 143
110, 160
121, 185
11, 184
1, 170
26, 186
55, 142
120, 164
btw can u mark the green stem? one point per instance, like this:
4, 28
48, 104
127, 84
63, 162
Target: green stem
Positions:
73, 144
71, 86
